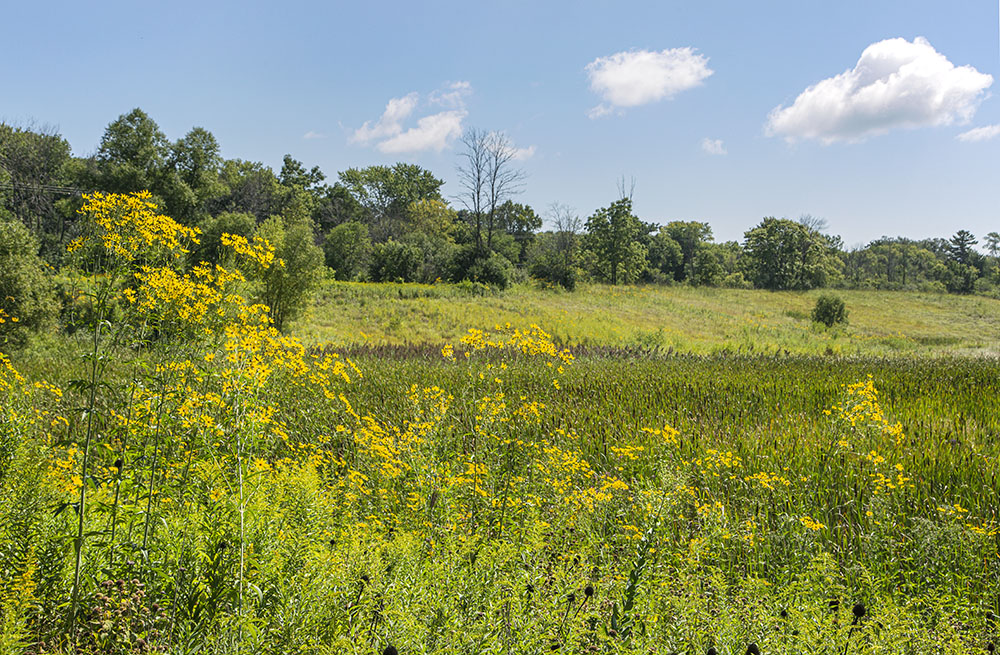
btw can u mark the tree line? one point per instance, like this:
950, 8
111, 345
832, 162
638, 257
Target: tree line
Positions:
394, 223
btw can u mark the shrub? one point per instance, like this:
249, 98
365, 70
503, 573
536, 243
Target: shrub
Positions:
495, 271
829, 310
394, 262
27, 293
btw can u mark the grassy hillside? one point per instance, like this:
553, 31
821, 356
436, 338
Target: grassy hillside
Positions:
682, 318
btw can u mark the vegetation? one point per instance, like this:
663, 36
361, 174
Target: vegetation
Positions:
829, 310
190, 465
394, 223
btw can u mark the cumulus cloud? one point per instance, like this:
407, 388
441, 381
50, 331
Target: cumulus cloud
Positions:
713, 146
638, 77
984, 133
391, 123
432, 132
895, 84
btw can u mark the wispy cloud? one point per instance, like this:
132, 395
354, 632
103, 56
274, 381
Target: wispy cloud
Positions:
637, 77
984, 133
713, 146
521, 154
310, 135
895, 84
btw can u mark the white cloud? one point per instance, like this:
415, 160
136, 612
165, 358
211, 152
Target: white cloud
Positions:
452, 96
432, 132
895, 84
984, 133
713, 146
521, 154
313, 135
637, 77
391, 123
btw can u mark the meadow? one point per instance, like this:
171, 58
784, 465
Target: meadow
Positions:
184, 478
700, 320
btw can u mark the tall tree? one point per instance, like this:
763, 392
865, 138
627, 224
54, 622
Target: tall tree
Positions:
784, 254
132, 154
489, 177
386, 193
689, 235
612, 235
32, 164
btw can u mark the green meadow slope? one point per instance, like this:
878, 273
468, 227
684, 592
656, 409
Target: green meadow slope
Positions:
695, 320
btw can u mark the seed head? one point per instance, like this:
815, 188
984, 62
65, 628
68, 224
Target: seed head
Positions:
752, 649
711, 651
859, 610
784, 614
588, 591
390, 650
571, 598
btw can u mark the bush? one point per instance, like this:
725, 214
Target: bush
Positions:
829, 310
394, 262
495, 271
27, 293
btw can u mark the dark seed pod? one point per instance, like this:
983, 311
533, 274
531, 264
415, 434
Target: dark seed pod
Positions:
752, 649
119, 463
365, 579
711, 651
571, 598
588, 591
784, 614
859, 610
390, 650
555, 646
530, 588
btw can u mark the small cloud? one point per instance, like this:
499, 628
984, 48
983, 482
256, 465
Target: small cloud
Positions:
638, 77
434, 132
452, 96
390, 124
895, 84
713, 146
313, 135
984, 133
521, 154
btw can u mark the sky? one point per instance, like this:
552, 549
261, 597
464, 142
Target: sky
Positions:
880, 117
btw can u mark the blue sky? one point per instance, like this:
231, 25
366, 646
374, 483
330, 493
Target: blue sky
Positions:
679, 96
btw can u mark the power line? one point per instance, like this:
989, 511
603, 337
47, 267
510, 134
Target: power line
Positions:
43, 188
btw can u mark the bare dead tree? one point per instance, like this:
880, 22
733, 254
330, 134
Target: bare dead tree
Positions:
567, 226
488, 178
626, 189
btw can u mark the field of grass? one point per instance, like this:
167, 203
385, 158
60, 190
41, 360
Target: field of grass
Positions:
685, 319
250, 497
670, 471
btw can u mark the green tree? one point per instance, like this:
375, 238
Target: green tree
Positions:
784, 254
521, 222
195, 161
27, 294
286, 288
612, 234
250, 188
132, 155
348, 250
31, 163
386, 193
689, 235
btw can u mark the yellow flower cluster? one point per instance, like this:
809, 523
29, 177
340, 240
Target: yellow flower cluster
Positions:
259, 250
860, 409
128, 226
